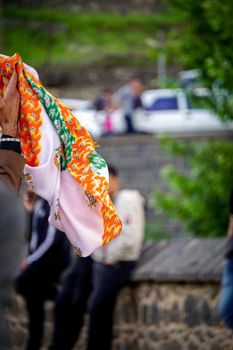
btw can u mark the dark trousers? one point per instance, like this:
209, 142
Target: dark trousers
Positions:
71, 303
35, 310
129, 124
95, 288
37, 284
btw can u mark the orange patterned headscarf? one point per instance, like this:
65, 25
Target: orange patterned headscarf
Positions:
46, 122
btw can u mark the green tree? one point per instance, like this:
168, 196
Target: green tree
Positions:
200, 198
203, 39
1, 28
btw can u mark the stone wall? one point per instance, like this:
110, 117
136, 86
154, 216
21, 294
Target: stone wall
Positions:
170, 303
152, 316
139, 159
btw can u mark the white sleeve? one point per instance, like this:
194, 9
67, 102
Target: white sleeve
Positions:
132, 216
44, 247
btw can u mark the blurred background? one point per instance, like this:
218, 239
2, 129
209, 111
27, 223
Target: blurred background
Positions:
174, 145
87, 43
180, 52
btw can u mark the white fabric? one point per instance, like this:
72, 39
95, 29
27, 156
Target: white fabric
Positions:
59, 188
127, 246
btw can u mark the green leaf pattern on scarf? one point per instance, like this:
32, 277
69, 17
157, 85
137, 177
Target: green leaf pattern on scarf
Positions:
54, 113
97, 161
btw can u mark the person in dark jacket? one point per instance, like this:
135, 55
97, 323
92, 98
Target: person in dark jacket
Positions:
12, 226
49, 255
226, 295
11, 210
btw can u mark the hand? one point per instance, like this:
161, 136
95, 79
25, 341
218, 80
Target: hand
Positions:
9, 106
24, 265
29, 199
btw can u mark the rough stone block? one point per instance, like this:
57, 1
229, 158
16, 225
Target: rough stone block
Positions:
19, 337
216, 346
192, 315
206, 313
175, 313
171, 345
193, 346
155, 314
157, 334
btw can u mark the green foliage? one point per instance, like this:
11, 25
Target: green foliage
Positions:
203, 39
155, 231
199, 197
45, 36
165, 82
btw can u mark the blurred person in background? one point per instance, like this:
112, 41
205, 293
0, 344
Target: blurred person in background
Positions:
12, 218
107, 110
12, 228
226, 295
104, 99
113, 122
49, 255
129, 97
93, 283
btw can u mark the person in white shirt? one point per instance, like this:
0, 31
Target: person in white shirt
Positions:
94, 282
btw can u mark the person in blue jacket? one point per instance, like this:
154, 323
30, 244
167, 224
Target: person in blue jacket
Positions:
226, 295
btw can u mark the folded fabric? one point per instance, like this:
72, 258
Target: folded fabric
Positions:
62, 164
